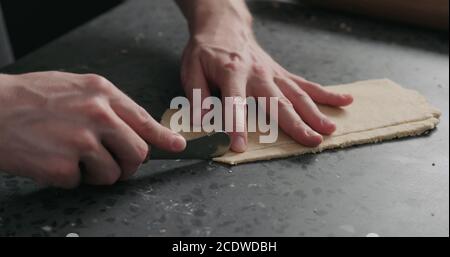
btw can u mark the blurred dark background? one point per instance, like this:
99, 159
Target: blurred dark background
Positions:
32, 24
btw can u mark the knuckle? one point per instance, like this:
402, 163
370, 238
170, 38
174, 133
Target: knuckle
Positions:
283, 82
96, 108
284, 103
138, 156
299, 131
301, 95
235, 63
97, 82
231, 67
143, 116
110, 179
64, 174
236, 57
146, 124
260, 70
86, 141
299, 127
130, 166
234, 66
134, 160
142, 152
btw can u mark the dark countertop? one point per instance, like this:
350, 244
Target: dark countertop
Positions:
391, 189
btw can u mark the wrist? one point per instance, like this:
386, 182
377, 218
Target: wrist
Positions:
205, 16
3, 76
7, 85
5, 79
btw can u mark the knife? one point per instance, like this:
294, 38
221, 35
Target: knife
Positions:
204, 148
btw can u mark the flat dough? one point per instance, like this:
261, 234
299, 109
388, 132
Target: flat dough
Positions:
382, 110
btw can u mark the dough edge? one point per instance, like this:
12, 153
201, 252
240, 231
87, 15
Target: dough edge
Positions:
352, 139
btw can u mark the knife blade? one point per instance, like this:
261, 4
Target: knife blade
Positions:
204, 148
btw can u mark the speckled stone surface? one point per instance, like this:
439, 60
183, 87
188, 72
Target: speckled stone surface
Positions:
390, 189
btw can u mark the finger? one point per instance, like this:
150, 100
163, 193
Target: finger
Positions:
192, 78
320, 95
145, 126
53, 162
100, 168
288, 119
127, 147
60, 172
305, 106
233, 90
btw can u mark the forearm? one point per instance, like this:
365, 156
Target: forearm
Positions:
5, 84
3, 78
209, 15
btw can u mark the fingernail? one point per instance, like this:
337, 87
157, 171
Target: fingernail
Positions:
147, 158
178, 143
313, 133
348, 96
239, 144
328, 124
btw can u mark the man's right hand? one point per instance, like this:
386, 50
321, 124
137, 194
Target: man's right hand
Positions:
62, 129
